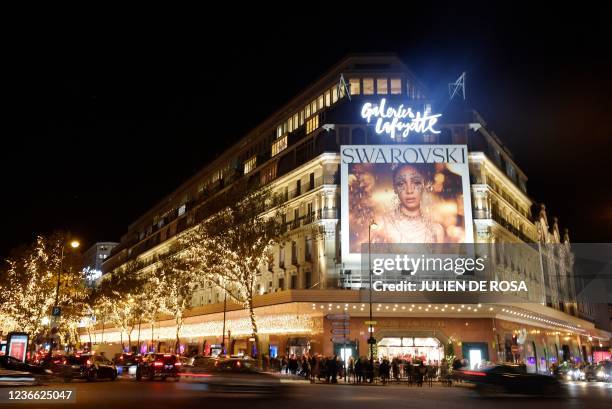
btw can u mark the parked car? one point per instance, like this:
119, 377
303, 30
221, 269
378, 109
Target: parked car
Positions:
127, 363
505, 378
89, 367
160, 366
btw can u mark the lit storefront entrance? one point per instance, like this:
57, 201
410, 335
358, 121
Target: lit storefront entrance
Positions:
411, 348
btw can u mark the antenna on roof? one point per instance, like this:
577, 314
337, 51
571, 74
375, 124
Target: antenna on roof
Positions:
343, 86
457, 87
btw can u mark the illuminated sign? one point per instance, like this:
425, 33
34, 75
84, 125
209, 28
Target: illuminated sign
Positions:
398, 120
17, 345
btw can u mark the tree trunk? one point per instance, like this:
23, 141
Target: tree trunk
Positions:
255, 333
138, 341
179, 324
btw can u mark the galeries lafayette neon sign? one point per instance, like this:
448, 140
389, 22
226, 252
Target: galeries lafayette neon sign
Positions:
398, 120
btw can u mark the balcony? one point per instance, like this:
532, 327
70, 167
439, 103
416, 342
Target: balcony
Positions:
508, 226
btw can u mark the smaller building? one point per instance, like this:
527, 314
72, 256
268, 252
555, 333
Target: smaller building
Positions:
94, 257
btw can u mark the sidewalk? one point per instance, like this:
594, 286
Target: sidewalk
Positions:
290, 378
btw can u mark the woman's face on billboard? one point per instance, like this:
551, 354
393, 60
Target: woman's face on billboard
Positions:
408, 185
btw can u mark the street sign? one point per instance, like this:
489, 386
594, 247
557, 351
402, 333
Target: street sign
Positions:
339, 323
336, 317
340, 340
340, 331
56, 312
371, 322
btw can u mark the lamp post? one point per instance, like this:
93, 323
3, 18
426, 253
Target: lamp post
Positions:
371, 339
74, 244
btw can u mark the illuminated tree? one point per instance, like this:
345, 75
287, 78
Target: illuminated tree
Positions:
30, 287
177, 284
116, 294
231, 246
150, 301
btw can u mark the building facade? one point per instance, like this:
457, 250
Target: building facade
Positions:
95, 256
307, 295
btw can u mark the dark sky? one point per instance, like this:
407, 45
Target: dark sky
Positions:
103, 120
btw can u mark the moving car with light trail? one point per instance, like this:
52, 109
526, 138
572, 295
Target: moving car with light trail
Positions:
513, 379
233, 375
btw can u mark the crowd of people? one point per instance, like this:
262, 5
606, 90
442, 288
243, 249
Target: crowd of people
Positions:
330, 369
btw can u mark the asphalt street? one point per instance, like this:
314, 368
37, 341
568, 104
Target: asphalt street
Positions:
152, 395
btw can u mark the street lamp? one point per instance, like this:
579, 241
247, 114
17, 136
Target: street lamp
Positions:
74, 244
371, 339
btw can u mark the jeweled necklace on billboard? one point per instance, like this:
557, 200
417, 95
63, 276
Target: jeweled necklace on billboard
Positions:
398, 120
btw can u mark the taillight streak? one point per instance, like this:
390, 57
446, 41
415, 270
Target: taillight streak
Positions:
475, 373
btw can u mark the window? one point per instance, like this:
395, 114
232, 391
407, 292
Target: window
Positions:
296, 213
327, 99
334, 95
307, 111
308, 253
313, 107
298, 187
320, 102
268, 173
281, 283
311, 181
396, 86
355, 86
181, 210
250, 164
368, 86
312, 124
382, 87
281, 257
307, 280
279, 145
293, 282
294, 256
429, 138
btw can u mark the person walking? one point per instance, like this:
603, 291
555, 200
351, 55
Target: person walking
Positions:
421, 372
444, 375
384, 369
351, 369
359, 370
395, 368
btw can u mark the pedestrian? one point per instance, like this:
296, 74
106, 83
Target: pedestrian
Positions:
314, 369
444, 375
359, 370
421, 372
384, 370
395, 368
351, 369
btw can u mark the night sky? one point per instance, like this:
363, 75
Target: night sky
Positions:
103, 120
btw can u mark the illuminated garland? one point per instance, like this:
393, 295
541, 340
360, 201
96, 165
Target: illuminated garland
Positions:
275, 324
